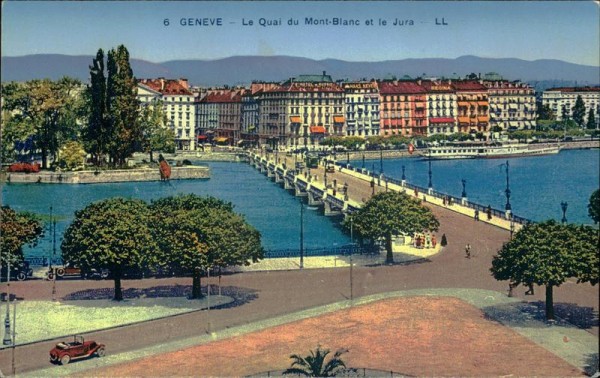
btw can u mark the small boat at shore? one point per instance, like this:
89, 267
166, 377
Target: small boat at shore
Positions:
487, 151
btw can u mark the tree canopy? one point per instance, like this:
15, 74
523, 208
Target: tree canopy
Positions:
548, 253
156, 136
114, 126
44, 114
579, 111
112, 234
388, 214
313, 365
591, 120
594, 206
196, 233
16, 230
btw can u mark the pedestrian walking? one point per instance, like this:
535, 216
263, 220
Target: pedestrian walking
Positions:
476, 215
530, 291
468, 251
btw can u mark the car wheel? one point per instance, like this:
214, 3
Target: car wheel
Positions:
60, 272
21, 276
101, 352
50, 276
65, 359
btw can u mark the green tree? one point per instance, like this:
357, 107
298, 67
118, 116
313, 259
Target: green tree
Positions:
579, 111
72, 155
546, 113
313, 365
594, 206
113, 234
591, 120
122, 107
156, 136
391, 213
44, 112
97, 133
16, 230
548, 254
219, 236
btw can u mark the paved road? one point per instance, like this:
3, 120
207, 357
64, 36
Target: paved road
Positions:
281, 292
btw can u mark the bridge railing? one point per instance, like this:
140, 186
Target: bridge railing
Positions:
43, 261
345, 250
457, 200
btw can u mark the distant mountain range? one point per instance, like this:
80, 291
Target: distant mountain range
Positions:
240, 70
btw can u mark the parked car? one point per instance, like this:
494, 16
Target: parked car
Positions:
72, 271
65, 352
19, 272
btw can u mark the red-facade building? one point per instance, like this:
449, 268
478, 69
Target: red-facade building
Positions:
402, 107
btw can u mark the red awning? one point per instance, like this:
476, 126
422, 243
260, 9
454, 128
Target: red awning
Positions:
295, 119
338, 119
317, 129
441, 120
202, 137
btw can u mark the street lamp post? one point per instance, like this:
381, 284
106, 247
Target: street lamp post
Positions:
507, 191
301, 235
53, 255
380, 160
363, 165
563, 206
430, 184
464, 190
351, 251
7, 338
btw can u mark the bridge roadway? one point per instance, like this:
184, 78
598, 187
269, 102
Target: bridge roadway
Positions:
284, 292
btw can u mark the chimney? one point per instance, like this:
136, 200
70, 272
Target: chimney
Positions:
162, 83
184, 83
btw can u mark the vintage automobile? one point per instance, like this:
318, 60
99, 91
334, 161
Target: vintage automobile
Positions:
19, 272
72, 271
65, 352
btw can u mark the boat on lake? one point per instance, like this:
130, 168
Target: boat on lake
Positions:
473, 150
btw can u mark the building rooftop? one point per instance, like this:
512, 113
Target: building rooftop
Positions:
468, 85
574, 89
167, 86
400, 87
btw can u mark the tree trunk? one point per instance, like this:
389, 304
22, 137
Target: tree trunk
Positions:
196, 285
118, 290
151, 157
549, 303
389, 258
44, 158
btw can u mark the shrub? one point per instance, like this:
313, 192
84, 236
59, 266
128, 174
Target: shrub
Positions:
24, 167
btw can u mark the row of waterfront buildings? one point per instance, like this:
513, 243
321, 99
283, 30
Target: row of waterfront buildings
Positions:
303, 110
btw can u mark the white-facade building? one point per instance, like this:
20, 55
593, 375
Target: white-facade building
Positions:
562, 101
178, 105
361, 102
441, 107
512, 105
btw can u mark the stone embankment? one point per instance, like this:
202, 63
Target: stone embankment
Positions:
97, 177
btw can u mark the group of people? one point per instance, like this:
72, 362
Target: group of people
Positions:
422, 240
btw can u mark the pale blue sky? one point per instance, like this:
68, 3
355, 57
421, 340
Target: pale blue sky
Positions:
528, 30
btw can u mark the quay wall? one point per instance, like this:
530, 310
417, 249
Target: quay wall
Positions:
97, 177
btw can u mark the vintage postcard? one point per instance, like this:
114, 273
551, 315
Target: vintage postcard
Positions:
314, 188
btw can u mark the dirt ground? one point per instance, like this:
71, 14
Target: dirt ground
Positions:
419, 336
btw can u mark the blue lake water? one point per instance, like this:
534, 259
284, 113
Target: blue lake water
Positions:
538, 185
